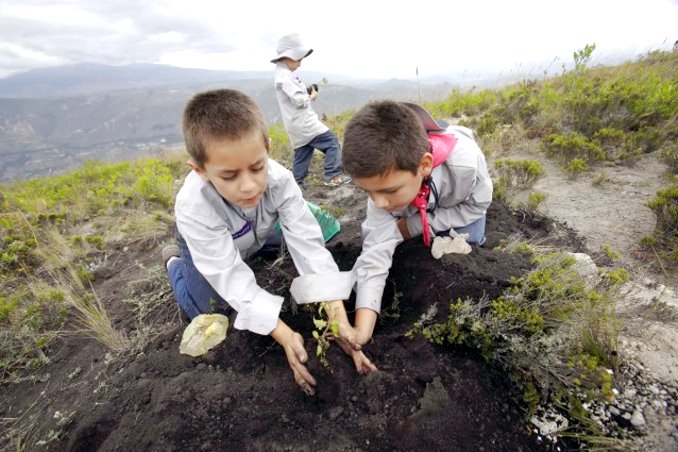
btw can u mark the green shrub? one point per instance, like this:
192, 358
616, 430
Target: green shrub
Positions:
460, 103
487, 124
616, 276
576, 167
610, 253
514, 175
521, 104
664, 240
534, 200
665, 206
280, 147
572, 146
7, 306
555, 335
648, 241
669, 155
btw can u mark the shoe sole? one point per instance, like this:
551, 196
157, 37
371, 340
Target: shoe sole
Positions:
333, 184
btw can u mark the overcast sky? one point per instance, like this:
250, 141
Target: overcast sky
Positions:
380, 39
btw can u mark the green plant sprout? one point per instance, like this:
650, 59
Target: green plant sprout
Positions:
324, 327
609, 252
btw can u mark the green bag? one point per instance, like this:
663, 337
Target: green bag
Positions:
328, 224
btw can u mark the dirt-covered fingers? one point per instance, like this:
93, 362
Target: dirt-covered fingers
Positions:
344, 346
297, 356
362, 363
348, 337
305, 382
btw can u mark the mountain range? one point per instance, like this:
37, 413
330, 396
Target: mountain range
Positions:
54, 119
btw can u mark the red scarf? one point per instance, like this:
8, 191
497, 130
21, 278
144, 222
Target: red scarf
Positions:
441, 146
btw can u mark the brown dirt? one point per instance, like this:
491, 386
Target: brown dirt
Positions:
241, 395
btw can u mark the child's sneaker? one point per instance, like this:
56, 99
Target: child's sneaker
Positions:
338, 180
169, 252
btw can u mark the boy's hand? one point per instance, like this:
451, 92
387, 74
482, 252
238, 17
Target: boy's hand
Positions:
293, 344
348, 334
297, 357
349, 338
313, 94
362, 363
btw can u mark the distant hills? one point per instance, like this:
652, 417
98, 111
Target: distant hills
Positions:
54, 119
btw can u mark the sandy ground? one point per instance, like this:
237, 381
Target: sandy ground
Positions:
612, 213
615, 213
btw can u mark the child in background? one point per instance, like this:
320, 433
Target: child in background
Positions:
421, 177
226, 211
305, 130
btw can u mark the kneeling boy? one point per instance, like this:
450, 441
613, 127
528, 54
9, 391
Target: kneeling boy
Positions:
226, 211
421, 177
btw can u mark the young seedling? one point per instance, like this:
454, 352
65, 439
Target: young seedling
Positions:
324, 327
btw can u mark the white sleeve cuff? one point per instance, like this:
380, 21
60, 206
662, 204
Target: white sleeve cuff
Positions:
369, 297
259, 315
315, 288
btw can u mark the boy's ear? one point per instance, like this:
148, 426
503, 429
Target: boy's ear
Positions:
426, 164
197, 168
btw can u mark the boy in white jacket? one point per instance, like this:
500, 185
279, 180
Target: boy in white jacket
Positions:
422, 178
226, 211
306, 132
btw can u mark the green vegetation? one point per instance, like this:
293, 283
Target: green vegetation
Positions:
534, 200
324, 328
54, 231
553, 330
280, 148
610, 253
513, 176
664, 240
585, 116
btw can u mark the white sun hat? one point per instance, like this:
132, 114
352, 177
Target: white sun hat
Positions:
291, 46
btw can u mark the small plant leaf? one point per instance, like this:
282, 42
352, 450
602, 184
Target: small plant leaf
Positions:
334, 328
319, 323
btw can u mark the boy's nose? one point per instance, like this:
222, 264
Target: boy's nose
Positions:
380, 201
247, 184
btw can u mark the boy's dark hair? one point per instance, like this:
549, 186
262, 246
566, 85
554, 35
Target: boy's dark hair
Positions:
220, 114
383, 136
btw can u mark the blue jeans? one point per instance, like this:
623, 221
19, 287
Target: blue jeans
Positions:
326, 143
475, 231
193, 293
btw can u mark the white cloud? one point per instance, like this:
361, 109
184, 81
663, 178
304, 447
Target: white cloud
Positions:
360, 38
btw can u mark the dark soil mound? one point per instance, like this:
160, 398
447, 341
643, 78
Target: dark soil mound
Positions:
241, 395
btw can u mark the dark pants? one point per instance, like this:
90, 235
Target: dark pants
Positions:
475, 231
193, 293
326, 143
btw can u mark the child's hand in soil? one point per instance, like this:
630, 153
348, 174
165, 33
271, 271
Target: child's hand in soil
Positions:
348, 334
348, 338
362, 363
293, 344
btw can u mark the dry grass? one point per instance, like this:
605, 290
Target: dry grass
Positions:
91, 315
151, 299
